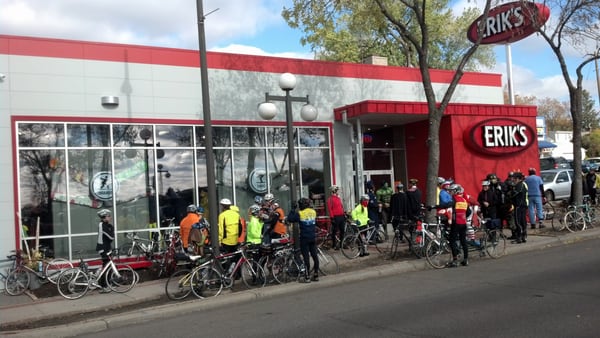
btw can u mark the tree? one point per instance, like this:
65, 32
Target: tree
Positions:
574, 24
556, 113
589, 118
591, 143
419, 30
350, 31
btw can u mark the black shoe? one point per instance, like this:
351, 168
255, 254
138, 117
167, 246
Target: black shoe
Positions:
315, 278
517, 241
366, 253
362, 254
542, 226
533, 226
452, 264
512, 237
306, 279
465, 262
523, 240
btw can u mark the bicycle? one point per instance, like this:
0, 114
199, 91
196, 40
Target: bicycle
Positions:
138, 247
492, 242
581, 216
179, 285
168, 262
74, 283
213, 277
354, 243
19, 277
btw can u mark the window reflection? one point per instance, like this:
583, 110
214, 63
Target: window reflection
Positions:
88, 135
250, 176
174, 136
41, 135
248, 137
313, 137
127, 135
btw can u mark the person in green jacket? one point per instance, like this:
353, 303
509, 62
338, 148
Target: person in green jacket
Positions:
255, 225
360, 215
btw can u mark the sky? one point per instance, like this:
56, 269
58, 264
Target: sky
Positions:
247, 27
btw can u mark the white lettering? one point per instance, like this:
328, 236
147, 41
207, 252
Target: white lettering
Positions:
505, 136
504, 21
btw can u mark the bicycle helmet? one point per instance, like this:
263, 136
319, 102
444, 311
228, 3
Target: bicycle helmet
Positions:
199, 209
103, 213
258, 199
225, 201
485, 183
400, 185
334, 188
191, 208
446, 185
453, 187
303, 203
254, 210
365, 197
440, 180
268, 197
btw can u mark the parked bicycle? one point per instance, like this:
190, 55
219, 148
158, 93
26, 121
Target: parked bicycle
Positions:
75, 282
359, 238
141, 248
179, 285
485, 240
18, 279
581, 216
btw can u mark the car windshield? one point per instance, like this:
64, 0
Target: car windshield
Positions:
548, 176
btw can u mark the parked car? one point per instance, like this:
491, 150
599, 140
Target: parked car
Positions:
594, 162
554, 163
557, 183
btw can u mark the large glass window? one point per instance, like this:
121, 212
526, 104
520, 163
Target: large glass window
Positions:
148, 174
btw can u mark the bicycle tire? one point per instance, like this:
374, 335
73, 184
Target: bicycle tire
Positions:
167, 265
380, 242
328, 265
253, 275
179, 284
266, 262
73, 283
418, 244
122, 282
206, 282
438, 253
394, 245
17, 281
285, 269
130, 250
55, 267
574, 221
351, 246
495, 243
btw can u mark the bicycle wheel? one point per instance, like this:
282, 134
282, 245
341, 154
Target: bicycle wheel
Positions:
17, 281
418, 244
123, 281
394, 244
495, 243
328, 265
130, 250
548, 212
381, 243
54, 268
267, 262
253, 275
351, 246
285, 269
167, 264
179, 284
73, 283
206, 282
438, 253
574, 221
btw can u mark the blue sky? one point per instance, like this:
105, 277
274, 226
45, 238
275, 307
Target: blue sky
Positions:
244, 26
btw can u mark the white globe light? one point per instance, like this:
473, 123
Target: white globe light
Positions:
309, 113
287, 81
267, 110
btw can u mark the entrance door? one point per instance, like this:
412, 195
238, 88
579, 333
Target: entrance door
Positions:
378, 177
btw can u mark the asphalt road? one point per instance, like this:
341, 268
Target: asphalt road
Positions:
547, 293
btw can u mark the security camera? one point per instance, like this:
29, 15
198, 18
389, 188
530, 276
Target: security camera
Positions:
2, 76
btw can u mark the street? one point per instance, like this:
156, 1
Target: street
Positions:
548, 293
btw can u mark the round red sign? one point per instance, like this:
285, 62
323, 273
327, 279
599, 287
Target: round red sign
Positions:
500, 137
510, 22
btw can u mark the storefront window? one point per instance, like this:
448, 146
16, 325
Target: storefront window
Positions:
148, 174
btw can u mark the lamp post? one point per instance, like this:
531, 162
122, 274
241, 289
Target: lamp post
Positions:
267, 110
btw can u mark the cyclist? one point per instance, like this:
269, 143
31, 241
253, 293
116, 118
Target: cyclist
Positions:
518, 196
399, 209
535, 192
106, 235
273, 216
254, 226
360, 215
308, 246
229, 227
199, 234
384, 195
185, 226
458, 225
414, 196
337, 215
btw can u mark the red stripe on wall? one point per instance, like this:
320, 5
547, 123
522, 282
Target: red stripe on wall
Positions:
72, 49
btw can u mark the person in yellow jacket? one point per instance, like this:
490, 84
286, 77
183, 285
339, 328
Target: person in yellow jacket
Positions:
360, 215
229, 223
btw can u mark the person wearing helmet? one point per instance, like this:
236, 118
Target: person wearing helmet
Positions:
229, 227
458, 226
335, 208
373, 207
535, 193
489, 202
254, 228
307, 225
399, 210
517, 195
106, 235
200, 233
273, 217
185, 226
360, 215
440, 181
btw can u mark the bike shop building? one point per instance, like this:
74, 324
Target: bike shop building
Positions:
92, 125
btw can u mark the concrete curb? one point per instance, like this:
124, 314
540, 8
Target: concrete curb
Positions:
228, 298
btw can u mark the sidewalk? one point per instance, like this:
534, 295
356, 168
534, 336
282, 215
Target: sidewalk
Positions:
18, 310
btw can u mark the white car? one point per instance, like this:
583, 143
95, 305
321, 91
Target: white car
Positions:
557, 183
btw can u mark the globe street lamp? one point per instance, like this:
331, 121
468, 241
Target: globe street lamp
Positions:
267, 110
